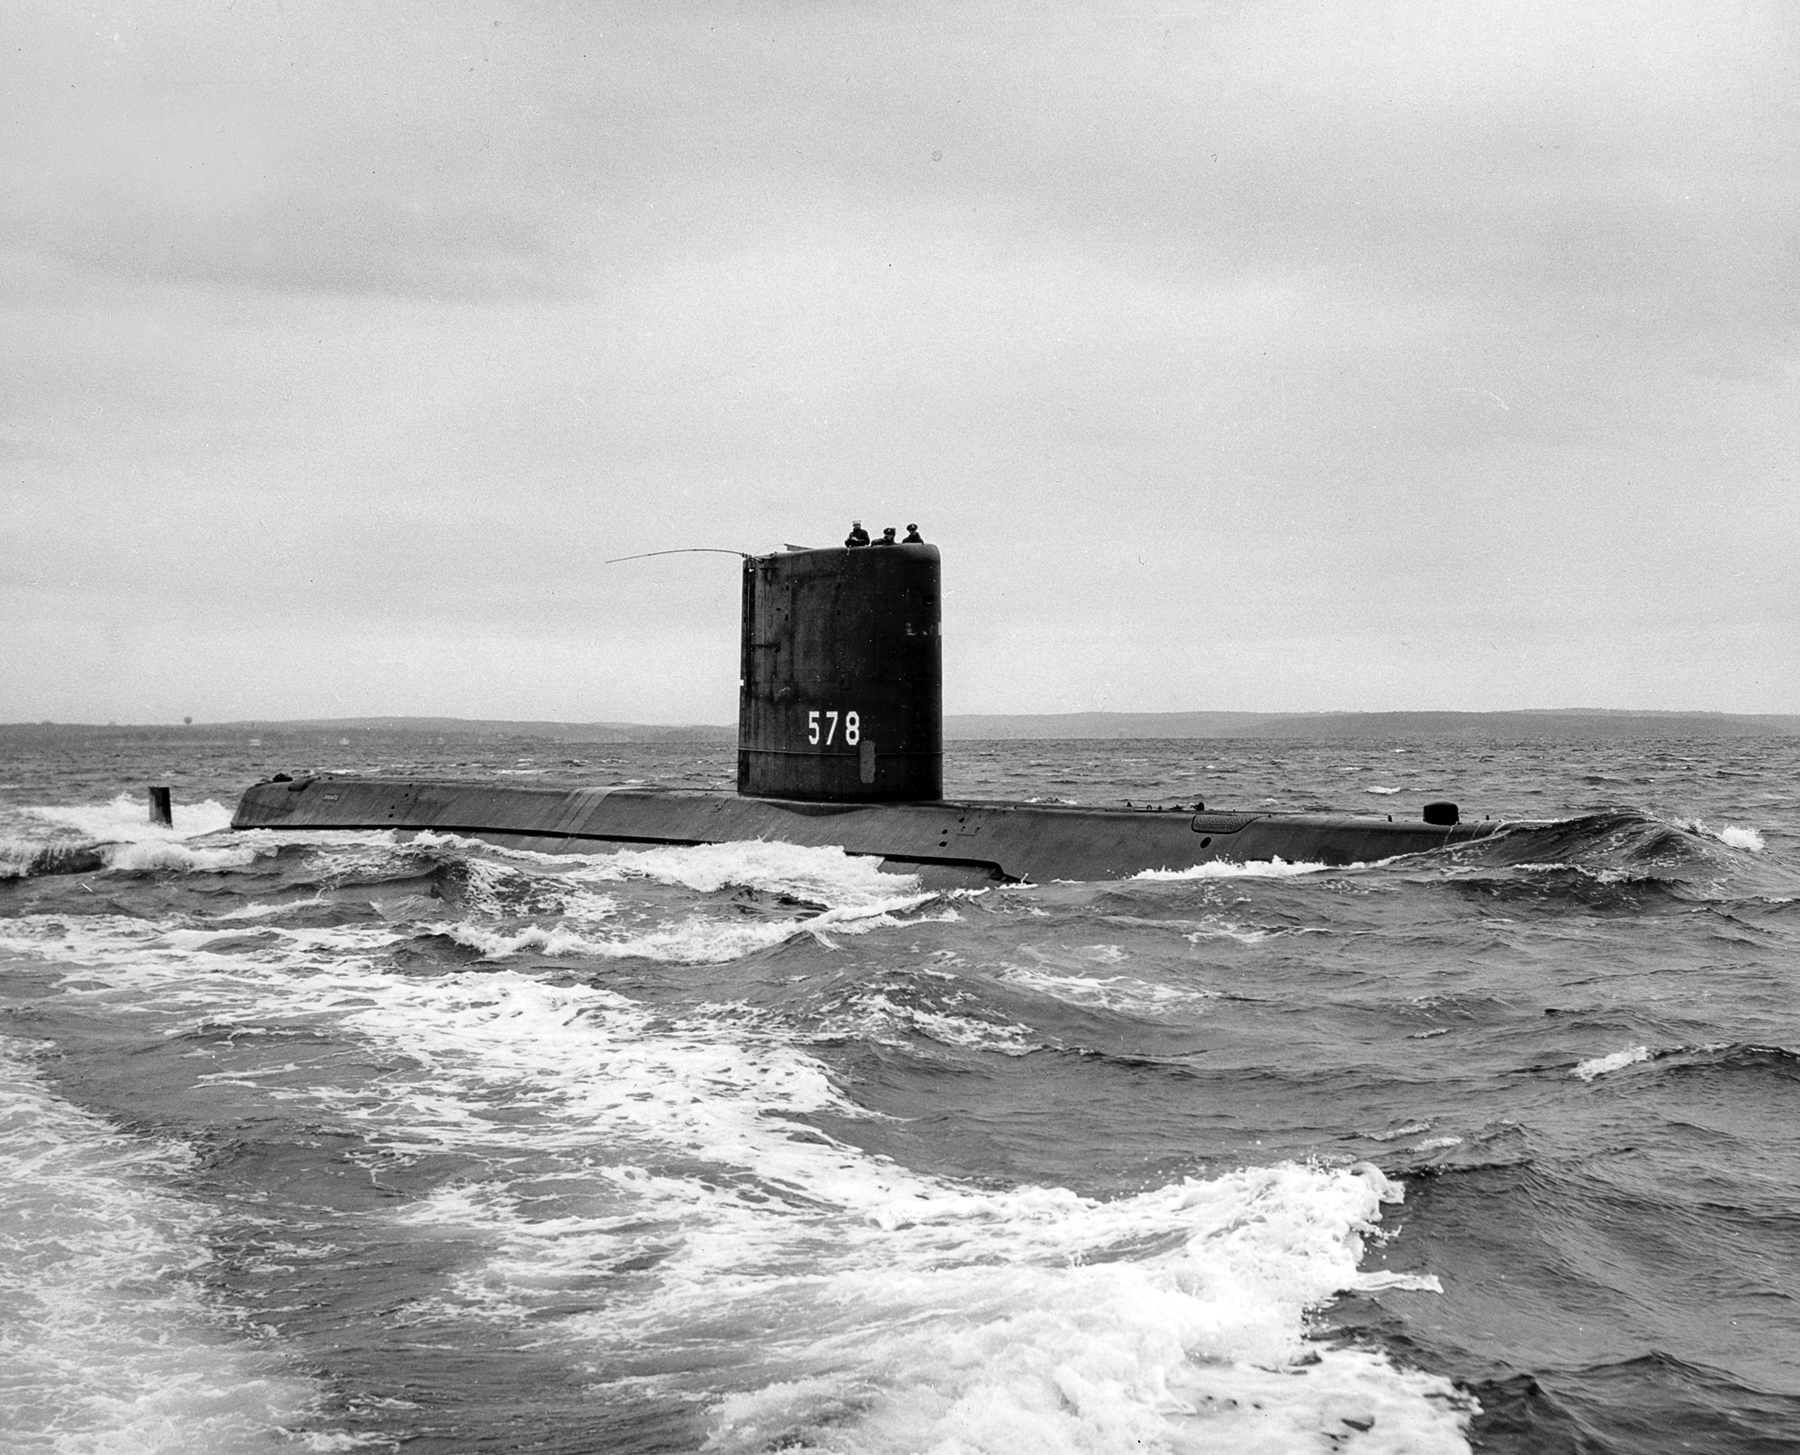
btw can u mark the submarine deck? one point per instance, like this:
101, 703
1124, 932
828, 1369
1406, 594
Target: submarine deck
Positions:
1006, 841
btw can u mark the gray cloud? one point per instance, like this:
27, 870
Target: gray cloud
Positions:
1303, 332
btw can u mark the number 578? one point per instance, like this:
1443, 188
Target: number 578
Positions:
852, 727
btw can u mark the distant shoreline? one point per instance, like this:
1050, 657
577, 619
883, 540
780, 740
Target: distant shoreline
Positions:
1513, 726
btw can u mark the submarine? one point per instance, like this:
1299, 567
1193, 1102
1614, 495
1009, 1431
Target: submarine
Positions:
841, 743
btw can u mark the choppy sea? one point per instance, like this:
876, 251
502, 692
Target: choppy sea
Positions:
330, 1141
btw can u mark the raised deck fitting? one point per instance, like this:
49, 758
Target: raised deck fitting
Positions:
840, 742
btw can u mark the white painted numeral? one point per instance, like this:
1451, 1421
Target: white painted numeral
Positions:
825, 734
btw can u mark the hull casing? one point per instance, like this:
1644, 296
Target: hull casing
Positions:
996, 841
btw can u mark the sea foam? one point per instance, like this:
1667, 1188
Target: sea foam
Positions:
845, 1300
827, 876
1735, 837
1276, 868
694, 940
119, 835
110, 1343
873, 1308
1618, 1061
126, 819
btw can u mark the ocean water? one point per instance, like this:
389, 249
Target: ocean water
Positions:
330, 1141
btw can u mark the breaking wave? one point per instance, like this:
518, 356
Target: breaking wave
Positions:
845, 1300
111, 1344
118, 835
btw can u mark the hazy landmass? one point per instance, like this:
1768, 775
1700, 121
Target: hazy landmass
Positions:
1497, 726
1549, 725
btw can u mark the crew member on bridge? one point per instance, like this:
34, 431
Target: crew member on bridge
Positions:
858, 536
913, 538
887, 537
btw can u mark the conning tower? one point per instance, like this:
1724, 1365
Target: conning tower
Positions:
841, 688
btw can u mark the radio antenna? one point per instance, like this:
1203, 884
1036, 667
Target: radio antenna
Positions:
681, 551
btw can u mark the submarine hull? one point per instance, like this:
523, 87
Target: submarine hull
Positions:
840, 743
991, 841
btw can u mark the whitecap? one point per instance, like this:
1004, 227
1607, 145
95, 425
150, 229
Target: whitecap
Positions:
119, 835
1601, 1065
827, 875
1214, 928
500, 891
877, 1018
696, 940
1275, 868
1410, 1129
1123, 993
153, 855
126, 819
844, 1298
111, 1341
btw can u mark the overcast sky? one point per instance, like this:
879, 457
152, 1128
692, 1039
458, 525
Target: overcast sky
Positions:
1237, 356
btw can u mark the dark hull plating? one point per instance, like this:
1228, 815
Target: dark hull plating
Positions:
1008, 841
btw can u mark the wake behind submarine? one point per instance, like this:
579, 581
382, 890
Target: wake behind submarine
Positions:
841, 742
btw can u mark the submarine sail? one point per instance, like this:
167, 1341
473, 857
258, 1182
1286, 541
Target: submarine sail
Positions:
841, 688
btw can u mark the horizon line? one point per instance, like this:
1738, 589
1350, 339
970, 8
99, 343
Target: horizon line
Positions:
348, 720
